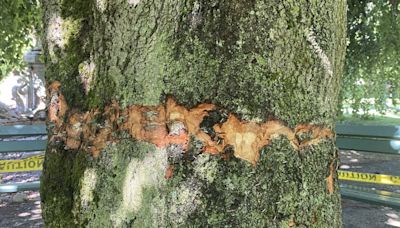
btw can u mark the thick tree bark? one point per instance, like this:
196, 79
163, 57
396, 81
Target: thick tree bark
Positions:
192, 113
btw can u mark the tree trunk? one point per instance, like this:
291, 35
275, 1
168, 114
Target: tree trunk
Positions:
192, 113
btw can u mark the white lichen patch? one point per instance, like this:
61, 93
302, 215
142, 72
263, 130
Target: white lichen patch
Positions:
86, 70
326, 63
195, 15
54, 34
140, 174
175, 152
133, 2
185, 200
176, 127
59, 32
101, 5
88, 184
205, 168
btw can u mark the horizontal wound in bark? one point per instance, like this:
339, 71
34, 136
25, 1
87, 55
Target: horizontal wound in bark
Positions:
171, 123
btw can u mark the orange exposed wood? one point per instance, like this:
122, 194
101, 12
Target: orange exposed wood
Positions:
156, 124
317, 132
147, 124
58, 106
330, 180
244, 137
169, 172
74, 131
191, 118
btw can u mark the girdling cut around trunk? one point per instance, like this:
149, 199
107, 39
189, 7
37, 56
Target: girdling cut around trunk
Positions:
173, 124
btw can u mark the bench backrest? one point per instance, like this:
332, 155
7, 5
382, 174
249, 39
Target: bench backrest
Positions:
33, 140
378, 139
28, 143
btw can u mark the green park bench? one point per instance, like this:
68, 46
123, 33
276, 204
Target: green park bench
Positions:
30, 143
376, 139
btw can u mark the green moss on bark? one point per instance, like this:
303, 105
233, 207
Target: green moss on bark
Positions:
67, 43
286, 186
60, 179
253, 58
116, 183
145, 51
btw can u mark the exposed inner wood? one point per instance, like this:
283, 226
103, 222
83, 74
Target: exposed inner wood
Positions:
58, 106
171, 123
330, 179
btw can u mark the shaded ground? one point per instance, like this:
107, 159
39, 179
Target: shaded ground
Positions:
361, 215
20, 214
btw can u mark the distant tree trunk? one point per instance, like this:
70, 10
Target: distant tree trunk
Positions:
192, 113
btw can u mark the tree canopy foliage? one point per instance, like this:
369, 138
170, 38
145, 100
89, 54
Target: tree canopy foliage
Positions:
18, 21
372, 61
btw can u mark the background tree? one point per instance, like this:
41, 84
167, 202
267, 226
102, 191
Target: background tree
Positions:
203, 113
372, 62
18, 21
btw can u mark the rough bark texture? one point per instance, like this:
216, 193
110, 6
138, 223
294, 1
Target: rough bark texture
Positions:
255, 62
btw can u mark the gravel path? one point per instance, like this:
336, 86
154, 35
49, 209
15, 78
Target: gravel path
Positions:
361, 215
20, 210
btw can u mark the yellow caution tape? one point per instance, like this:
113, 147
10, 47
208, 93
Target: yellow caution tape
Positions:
369, 177
33, 163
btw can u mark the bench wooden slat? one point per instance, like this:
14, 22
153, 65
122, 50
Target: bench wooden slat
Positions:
17, 187
22, 130
392, 132
384, 198
23, 146
370, 145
